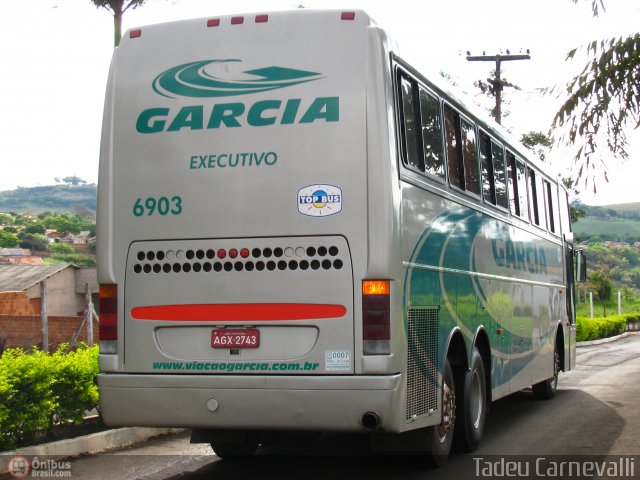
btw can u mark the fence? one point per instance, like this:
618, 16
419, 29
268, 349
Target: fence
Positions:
26, 331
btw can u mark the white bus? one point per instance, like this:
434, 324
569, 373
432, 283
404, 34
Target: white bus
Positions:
299, 232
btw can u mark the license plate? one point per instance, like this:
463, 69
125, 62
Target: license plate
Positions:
235, 338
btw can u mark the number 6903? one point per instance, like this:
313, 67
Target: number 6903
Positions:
158, 206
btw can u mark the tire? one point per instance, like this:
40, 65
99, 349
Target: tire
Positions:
442, 435
471, 411
546, 389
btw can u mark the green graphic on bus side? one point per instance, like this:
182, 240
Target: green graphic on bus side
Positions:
194, 80
451, 247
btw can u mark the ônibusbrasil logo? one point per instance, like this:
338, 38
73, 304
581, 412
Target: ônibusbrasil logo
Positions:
207, 79
194, 79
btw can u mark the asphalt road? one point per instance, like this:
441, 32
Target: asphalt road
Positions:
593, 418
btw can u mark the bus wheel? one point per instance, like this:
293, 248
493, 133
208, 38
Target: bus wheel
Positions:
472, 410
442, 435
231, 451
546, 389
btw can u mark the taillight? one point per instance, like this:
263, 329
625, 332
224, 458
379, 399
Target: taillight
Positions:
108, 314
135, 33
376, 317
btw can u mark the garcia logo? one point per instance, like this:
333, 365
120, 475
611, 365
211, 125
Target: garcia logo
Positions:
199, 80
319, 200
194, 79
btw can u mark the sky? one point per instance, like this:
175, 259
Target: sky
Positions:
55, 58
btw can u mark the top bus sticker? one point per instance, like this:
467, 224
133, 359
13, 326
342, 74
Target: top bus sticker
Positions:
319, 200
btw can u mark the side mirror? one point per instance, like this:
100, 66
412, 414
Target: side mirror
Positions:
581, 267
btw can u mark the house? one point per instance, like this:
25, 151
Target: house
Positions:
6, 253
64, 288
20, 289
18, 256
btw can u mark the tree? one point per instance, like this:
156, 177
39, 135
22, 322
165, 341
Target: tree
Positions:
117, 9
493, 87
34, 229
61, 248
6, 219
538, 142
75, 181
34, 242
66, 223
602, 286
576, 210
602, 101
8, 240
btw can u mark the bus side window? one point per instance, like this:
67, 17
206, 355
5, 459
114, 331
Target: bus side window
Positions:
514, 204
486, 160
565, 218
470, 157
411, 142
536, 197
454, 147
502, 197
552, 207
431, 134
522, 189
535, 217
542, 211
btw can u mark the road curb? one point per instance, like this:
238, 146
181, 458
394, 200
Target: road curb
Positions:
88, 444
606, 340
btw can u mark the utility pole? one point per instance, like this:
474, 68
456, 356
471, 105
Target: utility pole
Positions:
496, 82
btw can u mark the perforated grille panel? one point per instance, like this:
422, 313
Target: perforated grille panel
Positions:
422, 364
209, 259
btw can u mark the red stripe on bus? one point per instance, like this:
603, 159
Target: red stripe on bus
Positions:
237, 312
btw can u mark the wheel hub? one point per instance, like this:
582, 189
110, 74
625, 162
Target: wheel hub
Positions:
448, 412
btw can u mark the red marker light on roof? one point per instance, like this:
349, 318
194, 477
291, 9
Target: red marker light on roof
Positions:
213, 22
233, 253
135, 33
237, 20
244, 253
222, 253
262, 18
348, 16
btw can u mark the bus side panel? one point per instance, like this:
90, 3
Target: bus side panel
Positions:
457, 266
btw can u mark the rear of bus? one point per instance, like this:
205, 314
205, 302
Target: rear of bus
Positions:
245, 210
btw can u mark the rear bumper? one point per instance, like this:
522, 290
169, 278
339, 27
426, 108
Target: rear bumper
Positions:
327, 403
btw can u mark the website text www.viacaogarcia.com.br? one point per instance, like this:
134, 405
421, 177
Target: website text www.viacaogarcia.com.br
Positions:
237, 366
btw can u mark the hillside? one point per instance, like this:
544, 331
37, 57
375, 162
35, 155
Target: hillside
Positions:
53, 198
623, 207
609, 222
617, 229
